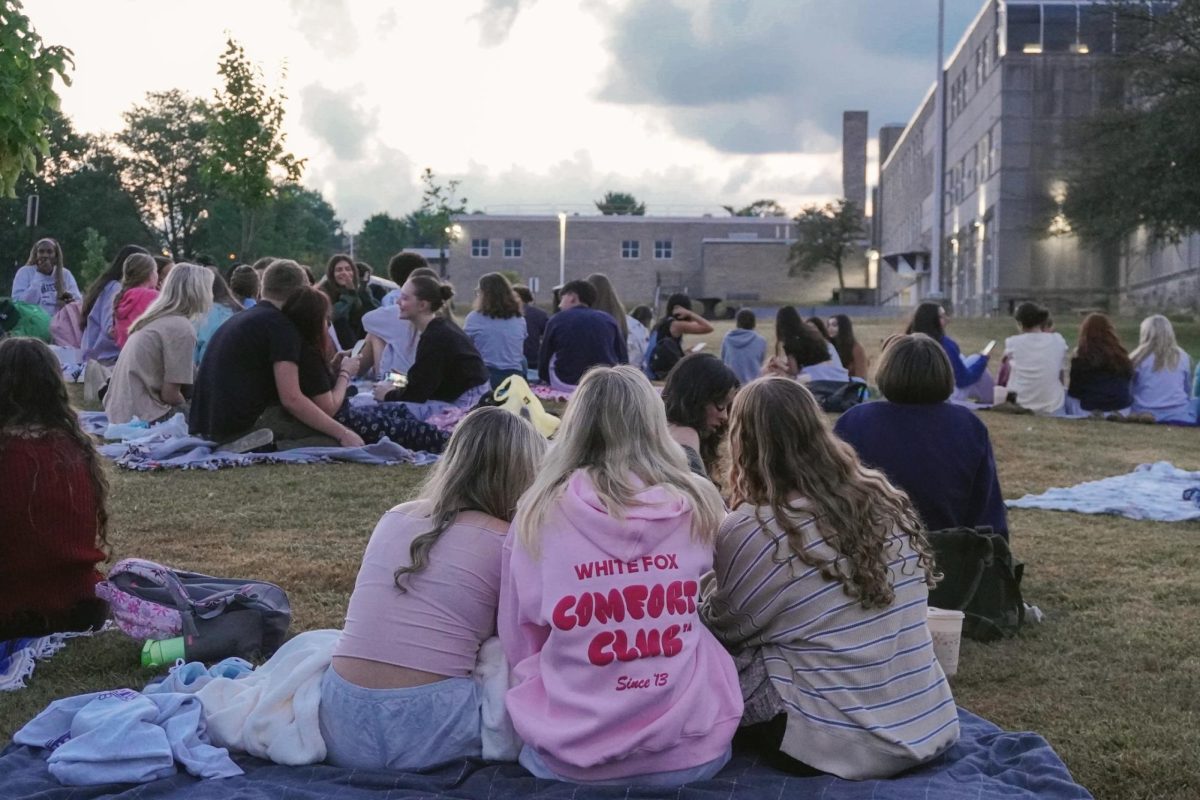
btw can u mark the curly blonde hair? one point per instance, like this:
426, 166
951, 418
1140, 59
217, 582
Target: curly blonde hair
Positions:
781, 446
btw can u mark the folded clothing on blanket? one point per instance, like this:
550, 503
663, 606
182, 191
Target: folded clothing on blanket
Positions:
986, 762
1151, 492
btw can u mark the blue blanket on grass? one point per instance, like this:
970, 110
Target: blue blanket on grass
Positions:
986, 763
1151, 491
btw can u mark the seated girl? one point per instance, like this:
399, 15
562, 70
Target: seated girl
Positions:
497, 329
53, 503
696, 396
447, 371
937, 452
801, 350
139, 288
1035, 358
852, 354
679, 320
391, 340
1100, 369
615, 680
399, 693
1161, 374
971, 378
325, 378
822, 589
224, 306
158, 361
98, 308
349, 298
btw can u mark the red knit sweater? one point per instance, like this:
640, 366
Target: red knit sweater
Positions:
48, 527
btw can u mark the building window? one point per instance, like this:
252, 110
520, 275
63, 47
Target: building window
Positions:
512, 248
480, 248
631, 248
1024, 29
663, 249
1060, 28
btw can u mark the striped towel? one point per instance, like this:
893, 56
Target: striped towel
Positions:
18, 657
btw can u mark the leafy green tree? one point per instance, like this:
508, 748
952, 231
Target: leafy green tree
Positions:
27, 96
439, 204
93, 263
759, 208
826, 234
381, 237
247, 138
165, 143
1136, 163
295, 223
620, 203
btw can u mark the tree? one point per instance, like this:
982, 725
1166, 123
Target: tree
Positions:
759, 208
620, 203
295, 223
246, 133
438, 206
381, 237
826, 234
93, 263
1136, 164
166, 146
27, 96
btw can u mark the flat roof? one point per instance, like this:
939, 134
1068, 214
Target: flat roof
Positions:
622, 218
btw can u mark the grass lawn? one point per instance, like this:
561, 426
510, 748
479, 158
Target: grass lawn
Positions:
1111, 678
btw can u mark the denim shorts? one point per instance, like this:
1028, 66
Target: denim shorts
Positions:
399, 729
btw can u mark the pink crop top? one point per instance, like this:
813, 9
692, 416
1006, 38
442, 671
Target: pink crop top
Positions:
449, 608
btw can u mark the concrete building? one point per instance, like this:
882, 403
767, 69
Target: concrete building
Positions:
735, 259
854, 158
1024, 71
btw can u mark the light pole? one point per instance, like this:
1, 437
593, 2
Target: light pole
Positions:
562, 247
939, 163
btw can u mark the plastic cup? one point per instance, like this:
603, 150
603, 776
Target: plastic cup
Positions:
945, 628
999, 394
160, 652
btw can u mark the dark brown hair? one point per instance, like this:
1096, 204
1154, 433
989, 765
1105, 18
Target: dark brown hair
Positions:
401, 266
308, 309
431, 290
915, 370
496, 298
1031, 315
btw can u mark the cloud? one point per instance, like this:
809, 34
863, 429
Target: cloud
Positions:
326, 25
384, 179
496, 19
337, 119
773, 75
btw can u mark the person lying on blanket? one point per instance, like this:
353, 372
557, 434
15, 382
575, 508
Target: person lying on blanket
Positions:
822, 588
399, 693
52, 506
615, 679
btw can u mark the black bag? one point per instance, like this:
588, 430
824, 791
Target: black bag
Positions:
667, 351
981, 579
837, 396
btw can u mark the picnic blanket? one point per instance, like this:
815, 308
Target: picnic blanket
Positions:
986, 764
168, 445
19, 657
1151, 491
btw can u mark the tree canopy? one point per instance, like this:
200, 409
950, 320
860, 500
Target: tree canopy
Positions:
1136, 165
759, 208
620, 203
826, 234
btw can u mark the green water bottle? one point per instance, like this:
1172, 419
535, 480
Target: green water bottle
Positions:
162, 652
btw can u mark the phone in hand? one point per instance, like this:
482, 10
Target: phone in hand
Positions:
358, 348
987, 348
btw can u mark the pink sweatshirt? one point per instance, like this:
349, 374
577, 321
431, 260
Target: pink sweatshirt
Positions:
614, 673
132, 305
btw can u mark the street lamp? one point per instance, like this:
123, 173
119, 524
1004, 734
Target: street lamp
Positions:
939, 163
562, 247
450, 234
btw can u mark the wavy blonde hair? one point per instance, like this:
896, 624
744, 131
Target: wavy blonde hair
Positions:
1156, 338
187, 292
490, 461
615, 429
780, 444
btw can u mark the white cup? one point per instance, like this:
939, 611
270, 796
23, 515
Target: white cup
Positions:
945, 628
999, 394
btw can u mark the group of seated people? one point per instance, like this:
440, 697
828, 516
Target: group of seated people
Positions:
1153, 383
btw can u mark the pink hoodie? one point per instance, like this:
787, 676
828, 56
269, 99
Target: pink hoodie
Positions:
614, 673
132, 305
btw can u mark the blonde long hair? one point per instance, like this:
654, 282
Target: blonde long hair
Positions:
780, 443
187, 292
615, 429
1157, 338
490, 461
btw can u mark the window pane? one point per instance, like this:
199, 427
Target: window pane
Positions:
1096, 28
1059, 28
1024, 28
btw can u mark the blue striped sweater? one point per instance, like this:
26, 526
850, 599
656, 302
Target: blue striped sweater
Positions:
864, 695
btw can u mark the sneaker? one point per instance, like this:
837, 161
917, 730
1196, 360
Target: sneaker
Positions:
250, 442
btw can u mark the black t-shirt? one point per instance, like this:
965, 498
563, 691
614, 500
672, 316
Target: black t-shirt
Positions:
446, 366
315, 376
236, 380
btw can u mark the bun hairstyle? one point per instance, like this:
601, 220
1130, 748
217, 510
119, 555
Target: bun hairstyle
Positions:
431, 290
1031, 315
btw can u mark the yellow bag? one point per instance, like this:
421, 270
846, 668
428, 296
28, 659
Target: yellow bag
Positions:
514, 395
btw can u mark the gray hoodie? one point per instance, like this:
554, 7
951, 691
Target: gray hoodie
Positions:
743, 351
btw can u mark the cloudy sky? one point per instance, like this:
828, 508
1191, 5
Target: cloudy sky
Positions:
536, 105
